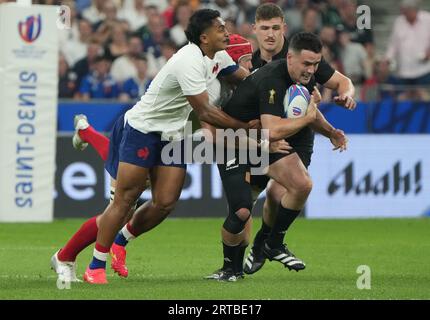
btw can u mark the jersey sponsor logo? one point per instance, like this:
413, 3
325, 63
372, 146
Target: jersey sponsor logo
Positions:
272, 96
215, 68
143, 153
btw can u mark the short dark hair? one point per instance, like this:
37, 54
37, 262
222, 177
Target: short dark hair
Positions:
305, 41
268, 11
199, 22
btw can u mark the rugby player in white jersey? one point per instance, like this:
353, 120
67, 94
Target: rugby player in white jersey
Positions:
160, 117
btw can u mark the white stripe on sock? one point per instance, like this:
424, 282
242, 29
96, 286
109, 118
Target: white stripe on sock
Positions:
102, 256
127, 235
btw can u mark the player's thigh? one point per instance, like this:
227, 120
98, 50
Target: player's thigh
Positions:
131, 182
290, 172
167, 183
274, 192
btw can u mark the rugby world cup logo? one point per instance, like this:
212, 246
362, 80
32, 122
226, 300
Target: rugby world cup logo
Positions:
30, 29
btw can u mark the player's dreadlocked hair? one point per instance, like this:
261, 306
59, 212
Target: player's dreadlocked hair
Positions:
199, 22
305, 41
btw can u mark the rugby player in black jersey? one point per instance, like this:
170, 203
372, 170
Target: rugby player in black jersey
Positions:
261, 96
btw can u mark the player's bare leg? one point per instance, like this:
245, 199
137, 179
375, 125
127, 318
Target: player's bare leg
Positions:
166, 185
131, 181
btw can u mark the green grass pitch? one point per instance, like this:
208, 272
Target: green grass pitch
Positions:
170, 261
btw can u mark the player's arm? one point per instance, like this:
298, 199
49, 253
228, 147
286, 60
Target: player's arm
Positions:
281, 128
335, 80
214, 116
271, 104
231, 72
280, 146
320, 125
237, 76
337, 137
345, 89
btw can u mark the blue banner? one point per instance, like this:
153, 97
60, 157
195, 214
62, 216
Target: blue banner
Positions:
378, 117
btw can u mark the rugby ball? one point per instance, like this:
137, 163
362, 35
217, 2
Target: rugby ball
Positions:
296, 101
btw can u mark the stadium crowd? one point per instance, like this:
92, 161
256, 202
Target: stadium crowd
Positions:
114, 48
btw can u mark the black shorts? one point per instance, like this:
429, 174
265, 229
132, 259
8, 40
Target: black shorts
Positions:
304, 154
260, 181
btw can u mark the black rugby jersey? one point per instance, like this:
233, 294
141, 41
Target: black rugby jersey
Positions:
257, 62
263, 92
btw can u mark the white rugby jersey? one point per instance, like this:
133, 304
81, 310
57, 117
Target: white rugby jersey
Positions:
164, 107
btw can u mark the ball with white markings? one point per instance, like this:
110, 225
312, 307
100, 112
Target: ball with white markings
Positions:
296, 101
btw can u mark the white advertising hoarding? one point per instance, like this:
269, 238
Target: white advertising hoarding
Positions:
378, 176
28, 109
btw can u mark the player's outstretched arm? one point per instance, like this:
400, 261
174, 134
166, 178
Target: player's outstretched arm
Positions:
214, 116
236, 77
345, 89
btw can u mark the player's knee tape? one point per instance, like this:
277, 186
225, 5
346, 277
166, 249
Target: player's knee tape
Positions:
234, 224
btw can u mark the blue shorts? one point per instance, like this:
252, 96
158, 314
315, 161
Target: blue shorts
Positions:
141, 149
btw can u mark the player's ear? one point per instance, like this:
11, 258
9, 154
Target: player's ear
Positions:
204, 38
289, 56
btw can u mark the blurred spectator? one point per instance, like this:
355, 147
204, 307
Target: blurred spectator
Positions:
168, 49
230, 25
66, 79
409, 47
154, 33
169, 13
328, 37
124, 67
348, 13
381, 85
104, 28
118, 44
311, 22
99, 84
226, 8
294, 16
161, 5
182, 15
133, 11
245, 30
81, 5
330, 13
136, 86
94, 13
354, 61
86, 65
246, 13
74, 50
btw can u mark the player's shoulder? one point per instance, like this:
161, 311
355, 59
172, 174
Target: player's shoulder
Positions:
271, 72
189, 52
221, 55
